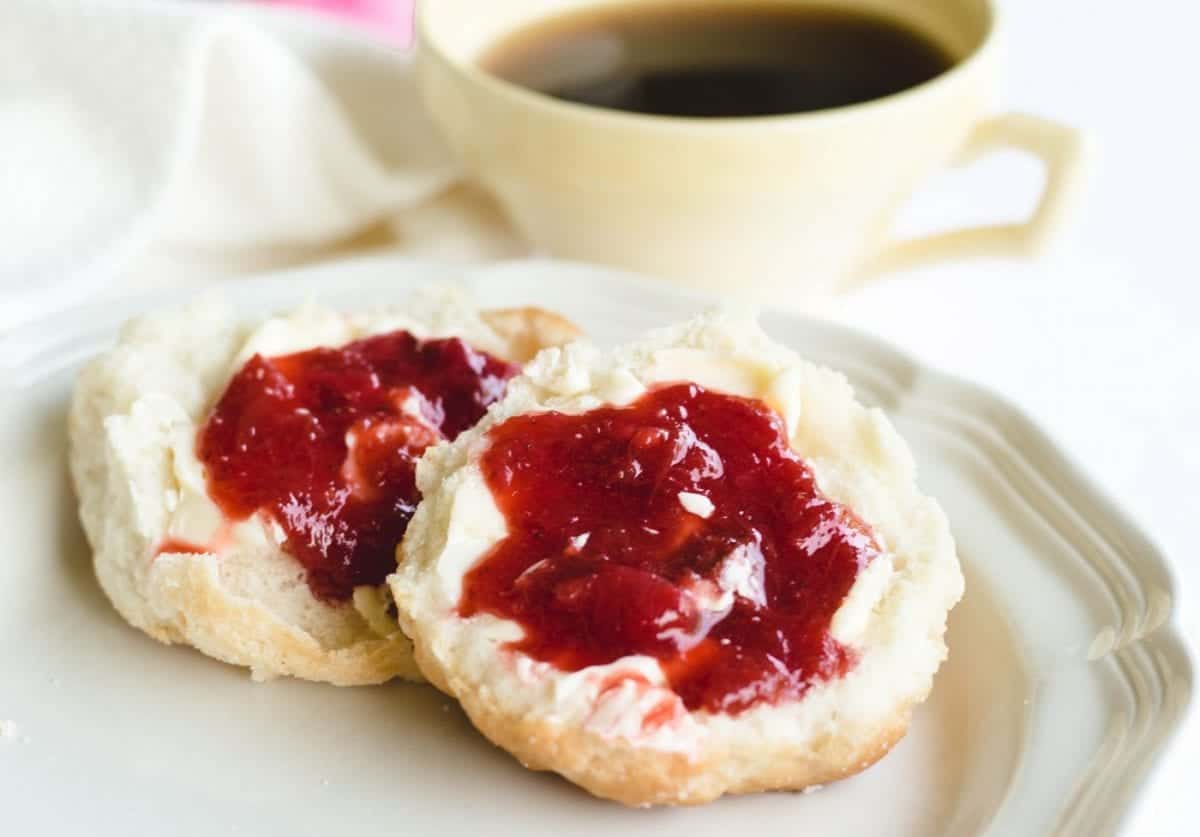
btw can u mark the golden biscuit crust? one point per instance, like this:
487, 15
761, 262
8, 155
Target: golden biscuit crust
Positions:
638, 776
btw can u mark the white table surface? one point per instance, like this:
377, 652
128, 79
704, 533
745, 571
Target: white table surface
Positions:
1098, 342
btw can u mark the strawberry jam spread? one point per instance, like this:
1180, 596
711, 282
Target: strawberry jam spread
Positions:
180, 547
682, 527
325, 443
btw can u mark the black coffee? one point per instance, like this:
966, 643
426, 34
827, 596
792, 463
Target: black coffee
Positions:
711, 59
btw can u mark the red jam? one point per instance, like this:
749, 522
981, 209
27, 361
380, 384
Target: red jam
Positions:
325, 443
178, 546
603, 560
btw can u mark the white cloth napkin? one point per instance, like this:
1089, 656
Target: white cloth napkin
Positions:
211, 127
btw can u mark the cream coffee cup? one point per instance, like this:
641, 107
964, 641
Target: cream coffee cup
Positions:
785, 208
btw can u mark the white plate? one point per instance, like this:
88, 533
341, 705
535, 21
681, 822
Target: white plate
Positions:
1064, 683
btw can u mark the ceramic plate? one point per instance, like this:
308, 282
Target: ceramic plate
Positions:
1064, 683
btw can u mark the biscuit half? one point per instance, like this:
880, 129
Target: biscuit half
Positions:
612, 741
133, 422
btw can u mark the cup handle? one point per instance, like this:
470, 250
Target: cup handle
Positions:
1061, 150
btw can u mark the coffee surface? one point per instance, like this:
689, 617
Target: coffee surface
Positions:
710, 59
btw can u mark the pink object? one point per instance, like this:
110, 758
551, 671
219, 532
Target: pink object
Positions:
391, 18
